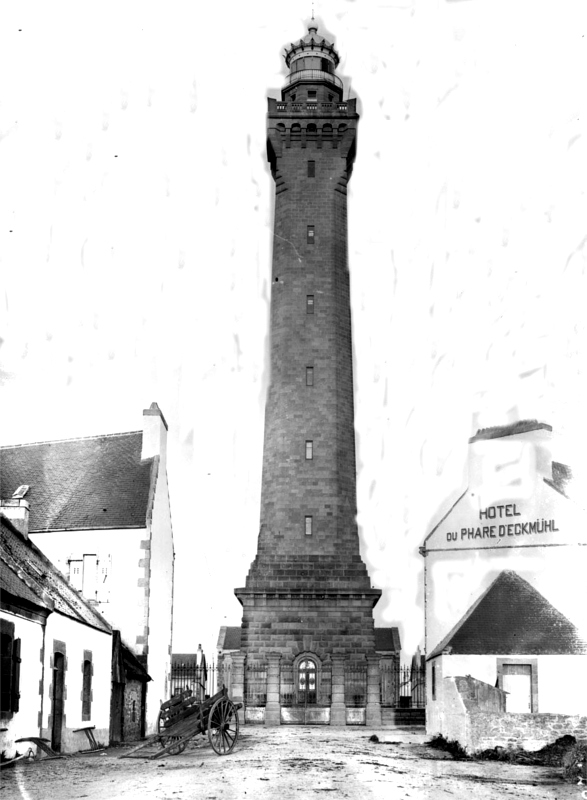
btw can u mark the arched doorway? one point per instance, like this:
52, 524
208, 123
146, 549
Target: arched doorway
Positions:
57, 700
305, 692
307, 682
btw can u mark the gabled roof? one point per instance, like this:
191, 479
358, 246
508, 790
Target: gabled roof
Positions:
512, 618
80, 484
21, 558
387, 639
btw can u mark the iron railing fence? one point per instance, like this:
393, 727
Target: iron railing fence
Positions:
189, 675
402, 687
287, 688
355, 685
256, 684
291, 694
325, 685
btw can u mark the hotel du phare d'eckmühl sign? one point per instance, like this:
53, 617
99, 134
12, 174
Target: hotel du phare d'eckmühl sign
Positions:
510, 502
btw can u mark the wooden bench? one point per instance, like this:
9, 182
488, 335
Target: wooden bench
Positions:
89, 731
42, 744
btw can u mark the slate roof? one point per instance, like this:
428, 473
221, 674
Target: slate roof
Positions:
21, 558
80, 484
229, 638
512, 617
387, 639
181, 659
14, 585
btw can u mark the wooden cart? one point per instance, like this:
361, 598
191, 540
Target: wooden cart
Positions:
183, 717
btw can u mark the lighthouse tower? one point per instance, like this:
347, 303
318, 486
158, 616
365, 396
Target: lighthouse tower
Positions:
308, 598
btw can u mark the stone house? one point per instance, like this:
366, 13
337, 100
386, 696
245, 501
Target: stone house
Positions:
100, 510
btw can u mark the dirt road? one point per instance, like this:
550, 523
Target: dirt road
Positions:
282, 763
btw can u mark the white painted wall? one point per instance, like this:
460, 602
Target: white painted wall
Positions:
484, 534
26, 721
79, 637
160, 602
123, 603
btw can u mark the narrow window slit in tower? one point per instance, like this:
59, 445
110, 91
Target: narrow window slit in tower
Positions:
309, 450
309, 376
309, 304
310, 238
311, 169
308, 526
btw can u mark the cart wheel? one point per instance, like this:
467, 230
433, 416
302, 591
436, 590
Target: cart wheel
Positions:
165, 740
223, 726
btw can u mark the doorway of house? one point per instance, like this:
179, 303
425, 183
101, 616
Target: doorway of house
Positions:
57, 700
517, 682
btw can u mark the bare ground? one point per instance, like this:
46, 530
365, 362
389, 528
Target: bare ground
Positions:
286, 762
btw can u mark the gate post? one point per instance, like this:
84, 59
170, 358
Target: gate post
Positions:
337, 704
238, 678
273, 704
373, 711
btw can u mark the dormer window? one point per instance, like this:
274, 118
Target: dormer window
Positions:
312, 95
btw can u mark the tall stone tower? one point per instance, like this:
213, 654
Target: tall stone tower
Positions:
308, 591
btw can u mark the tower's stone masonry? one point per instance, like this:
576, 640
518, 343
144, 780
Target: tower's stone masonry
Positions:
308, 589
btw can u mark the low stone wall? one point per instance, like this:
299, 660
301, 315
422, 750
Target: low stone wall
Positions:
529, 731
480, 696
474, 714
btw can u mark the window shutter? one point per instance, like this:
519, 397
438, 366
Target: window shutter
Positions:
6, 683
16, 675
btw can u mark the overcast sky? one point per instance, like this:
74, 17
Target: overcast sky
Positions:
135, 251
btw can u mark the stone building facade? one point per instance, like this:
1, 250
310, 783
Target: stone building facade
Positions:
308, 600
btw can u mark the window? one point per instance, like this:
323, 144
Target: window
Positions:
309, 450
325, 64
327, 131
311, 132
434, 681
88, 671
76, 574
310, 235
10, 669
310, 304
311, 169
308, 526
307, 682
312, 95
296, 132
309, 376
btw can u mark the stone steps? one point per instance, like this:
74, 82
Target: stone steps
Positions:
408, 718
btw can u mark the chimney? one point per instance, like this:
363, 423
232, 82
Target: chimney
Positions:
154, 433
507, 461
16, 509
